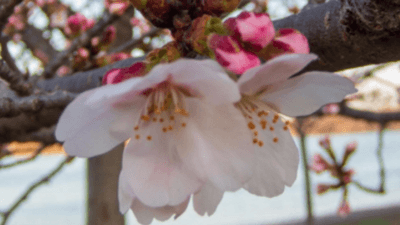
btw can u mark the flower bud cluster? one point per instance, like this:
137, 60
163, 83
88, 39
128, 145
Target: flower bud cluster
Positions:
337, 170
251, 36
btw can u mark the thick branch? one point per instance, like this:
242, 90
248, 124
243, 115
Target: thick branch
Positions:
32, 104
349, 33
16, 81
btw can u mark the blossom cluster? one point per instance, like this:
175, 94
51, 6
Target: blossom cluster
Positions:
337, 170
194, 132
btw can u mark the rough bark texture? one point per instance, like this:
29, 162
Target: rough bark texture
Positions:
103, 173
349, 33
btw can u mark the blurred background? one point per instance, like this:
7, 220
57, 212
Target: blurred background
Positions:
349, 172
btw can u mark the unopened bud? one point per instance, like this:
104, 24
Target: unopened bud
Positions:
344, 209
322, 188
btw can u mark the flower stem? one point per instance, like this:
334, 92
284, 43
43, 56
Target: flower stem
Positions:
310, 219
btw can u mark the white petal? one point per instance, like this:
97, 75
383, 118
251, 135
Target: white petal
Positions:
276, 164
145, 214
207, 199
306, 93
204, 78
276, 70
217, 145
155, 171
125, 194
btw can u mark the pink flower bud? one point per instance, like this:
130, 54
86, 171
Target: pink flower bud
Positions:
319, 164
255, 29
63, 70
291, 41
344, 209
348, 175
332, 108
286, 41
83, 53
325, 142
118, 75
109, 35
89, 24
75, 24
231, 55
95, 41
322, 188
135, 21
118, 8
351, 147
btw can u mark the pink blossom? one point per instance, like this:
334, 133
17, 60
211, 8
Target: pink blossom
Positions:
77, 24
231, 55
344, 209
95, 41
291, 41
89, 24
40, 3
255, 29
135, 21
118, 75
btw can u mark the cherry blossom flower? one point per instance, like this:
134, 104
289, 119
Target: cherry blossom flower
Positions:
344, 209
268, 91
186, 137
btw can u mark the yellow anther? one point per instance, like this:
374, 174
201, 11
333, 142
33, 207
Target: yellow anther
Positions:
271, 128
275, 140
136, 128
260, 143
137, 136
251, 125
164, 129
169, 127
285, 128
255, 140
287, 123
145, 117
161, 120
255, 133
154, 119
183, 124
276, 117
171, 117
149, 138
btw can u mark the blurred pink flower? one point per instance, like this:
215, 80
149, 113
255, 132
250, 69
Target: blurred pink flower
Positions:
325, 142
108, 36
118, 7
351, 147
344, 209
63, 70
78, 23
319, 164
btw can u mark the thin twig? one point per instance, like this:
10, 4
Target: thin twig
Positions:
382, 174
78, 42
133, 42
6, 214
29, 159
303, 148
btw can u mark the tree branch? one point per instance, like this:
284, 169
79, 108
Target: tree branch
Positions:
25, 196
23, 161
78, 42
349, 33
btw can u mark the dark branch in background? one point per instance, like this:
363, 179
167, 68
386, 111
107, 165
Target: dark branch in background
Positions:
46, 179
381, 188
382, 118
23, 161
34, 104
129, 45
5, 55
34, 40
6, 9
78, 42
15, 79
349, 33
